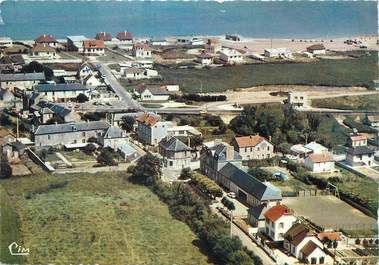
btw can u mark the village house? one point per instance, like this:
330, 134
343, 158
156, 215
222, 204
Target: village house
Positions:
6, 42
68, 134
141, 50
279, 219
278, 52
134, 73
360, 156
302, 151
47, 110
150, 129
316, 49
21, 81
93, 47
104, 36
92, 81
204, 58
153, 93
372, 120
213, 45
75, 43
232, 37
84, 71
303, 244
60, 92
125, 37
128, 153
46, 40
298, 99
183, 131
175, 154
253, 147
230, 56
159, 42
113, 137
43, 52
14, 59
357, 140
319, 163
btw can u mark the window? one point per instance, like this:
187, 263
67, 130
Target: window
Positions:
313, 260
281, 225
322, 260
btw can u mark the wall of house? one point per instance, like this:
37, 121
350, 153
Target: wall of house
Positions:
277, 229
59, 139
28, 85
366, 159
316, 257
319, 167
263, 150
59, 96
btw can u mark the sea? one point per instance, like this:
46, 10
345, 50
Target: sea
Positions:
25, 19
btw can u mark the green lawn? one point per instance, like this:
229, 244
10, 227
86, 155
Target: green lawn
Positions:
344, 72
366, 102
101, 219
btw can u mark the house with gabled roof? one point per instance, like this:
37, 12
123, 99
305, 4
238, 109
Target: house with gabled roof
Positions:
279, 219
142, 50
46, 40
21, 81
113, 137
151, 129
320, 163
176, 155
93, 47
253, 147
125, 37
360, 156
104, 36
43, 52
60, 92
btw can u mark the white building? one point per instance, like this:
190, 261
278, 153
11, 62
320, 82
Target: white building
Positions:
40, 51
46, 40
357, 140
175, 154
113, 137
93, 47
141, 50
92, 81
153, 93
6, 42
319, 163
204, 58
125, 38
253, 147
279, 219
298, 99
75, 43
231, 56
184, 130
360, 156
60, 92
278, 52
316, 49
150, 129
134, 73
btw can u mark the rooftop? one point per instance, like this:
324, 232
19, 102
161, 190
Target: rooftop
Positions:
78, 38
277, 211
148, 119
71, 127
42, 48
60, 87
22, 77
90, 44
124, 36
320, 158
174, 144
316, 47
248, 141
104, 36
309, 248
46, 39
360, 150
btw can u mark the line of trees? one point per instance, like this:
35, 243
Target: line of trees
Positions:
206, 185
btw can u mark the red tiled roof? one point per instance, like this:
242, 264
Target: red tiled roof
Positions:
319, 158
124, 36
98, 44
247, 141
143, 46
45, 39
148, 119
358, 137
277, 211
372, 118
105, 36
330, 236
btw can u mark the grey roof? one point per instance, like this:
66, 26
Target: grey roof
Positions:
257, 211
71, 127
114, 132
46, 111
248, 183
174, 144
220, 151
77, 38
58, 109
360, 150
60, 87
22, 77
127, 149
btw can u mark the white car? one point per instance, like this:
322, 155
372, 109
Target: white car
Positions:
231, 195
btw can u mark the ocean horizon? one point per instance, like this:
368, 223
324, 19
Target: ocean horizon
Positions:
269, 19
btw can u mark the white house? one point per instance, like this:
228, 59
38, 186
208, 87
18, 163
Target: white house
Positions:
303, 244
298, 99
6, 42
21, 81
279, 219
319, 163
175, 154
357, 140
184, 130
141, 50
204, 58
46, 40
93, 47
60, 92
278, 52
75, 43
113, 137
231, 56
360, 156
316, 148
134, 73
84, 71
92, 81
253, 147
42, 52
153, 93
316, 49
159, 42
150, 129
125, 37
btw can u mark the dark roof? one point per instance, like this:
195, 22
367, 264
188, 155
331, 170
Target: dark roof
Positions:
174, 144
309, 248
13, 59
59, 87
6, 68
220, 152
258, 211
261, 191
114, 132
297, 233
58, 109
105, 36
316, 47
124, 36
360, 150
71, 127
45, 39
22, 77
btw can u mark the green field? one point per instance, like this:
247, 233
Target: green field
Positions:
101, 219
366, 102
344, 72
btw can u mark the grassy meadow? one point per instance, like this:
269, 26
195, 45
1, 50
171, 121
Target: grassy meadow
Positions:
366, 102
97, 219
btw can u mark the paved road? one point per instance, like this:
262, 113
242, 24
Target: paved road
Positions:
118, 88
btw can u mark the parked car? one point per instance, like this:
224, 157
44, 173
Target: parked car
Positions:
232, 195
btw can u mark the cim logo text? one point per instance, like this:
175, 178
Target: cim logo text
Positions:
17, 250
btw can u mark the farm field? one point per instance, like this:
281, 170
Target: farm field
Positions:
369, 102
344, 72
97, 219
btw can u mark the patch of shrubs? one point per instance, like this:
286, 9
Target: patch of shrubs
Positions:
46, 189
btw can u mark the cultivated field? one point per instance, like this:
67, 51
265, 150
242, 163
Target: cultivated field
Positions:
330, 212
97, 219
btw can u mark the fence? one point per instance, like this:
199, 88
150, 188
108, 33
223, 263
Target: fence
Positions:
35, 158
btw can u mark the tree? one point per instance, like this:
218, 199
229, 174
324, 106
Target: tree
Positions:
4, 120
127, 123
147, 169
196, 140
89, 149
81, 98
5, 170
105, 158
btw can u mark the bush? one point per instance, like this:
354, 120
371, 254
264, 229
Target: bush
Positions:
89, 149
362, 128
81, 98
5, 170
105, 158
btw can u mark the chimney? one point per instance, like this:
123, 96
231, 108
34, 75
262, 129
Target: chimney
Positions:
229, 152
269, 138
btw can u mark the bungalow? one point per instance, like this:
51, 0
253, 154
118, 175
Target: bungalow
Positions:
60, 92
113, 137
204, 58
68, 133
43, 52
319, 163
93, 47
134, 73
153, 93
159, 42
303, 244
231, 56
125, 37
360, 156
279, 219
75, 43
253, 147
357, 140
278, 52
150, 129
104, 36
141, 50
183, 131
175, 154
46, 40
316, 49
21, 81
